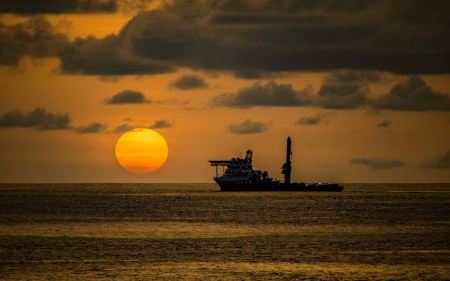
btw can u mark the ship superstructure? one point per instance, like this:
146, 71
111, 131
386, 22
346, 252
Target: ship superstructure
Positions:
239, 175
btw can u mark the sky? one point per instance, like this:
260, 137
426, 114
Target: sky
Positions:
362, 87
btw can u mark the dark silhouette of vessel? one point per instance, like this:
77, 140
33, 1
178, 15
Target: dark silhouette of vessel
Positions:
240, 176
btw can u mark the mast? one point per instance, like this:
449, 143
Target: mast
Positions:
287, 166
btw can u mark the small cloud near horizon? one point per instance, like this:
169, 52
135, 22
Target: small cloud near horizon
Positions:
378, 164
442, 162
122, 129
93, 128
162, 124
312, 120
249, 127
385, 123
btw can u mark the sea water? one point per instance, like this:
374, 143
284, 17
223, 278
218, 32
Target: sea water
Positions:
195, 232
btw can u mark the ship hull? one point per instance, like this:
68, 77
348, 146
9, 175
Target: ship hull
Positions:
228, 185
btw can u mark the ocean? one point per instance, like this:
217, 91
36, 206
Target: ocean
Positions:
194, 232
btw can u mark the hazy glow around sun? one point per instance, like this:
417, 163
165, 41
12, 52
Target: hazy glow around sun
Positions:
141, 151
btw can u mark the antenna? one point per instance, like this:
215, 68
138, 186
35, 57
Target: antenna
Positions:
286, 169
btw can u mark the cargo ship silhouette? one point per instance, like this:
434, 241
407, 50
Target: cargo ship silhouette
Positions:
240, 176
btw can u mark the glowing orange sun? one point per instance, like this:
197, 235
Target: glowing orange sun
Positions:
141, 151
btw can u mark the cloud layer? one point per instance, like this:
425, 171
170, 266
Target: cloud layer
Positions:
30, 7
250, 38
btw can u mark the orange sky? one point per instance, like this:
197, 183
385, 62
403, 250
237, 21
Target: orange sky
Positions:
216, 81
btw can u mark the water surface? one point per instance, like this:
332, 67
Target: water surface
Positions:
194, 232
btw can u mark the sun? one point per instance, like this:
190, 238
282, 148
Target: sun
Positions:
141, 151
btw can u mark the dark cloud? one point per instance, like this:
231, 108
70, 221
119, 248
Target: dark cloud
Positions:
109, 79
384, 123
271, 94
162, 124
188, 82
349, 89
341, 90
379, 164
345, 89
30, 7
353, 76
342, 96
247, 38
107, 56
293, 6
93, 128
255, 19
128, 97
413, 95
35, 37
442, 162
249, 127
122, 129
251, 74
38, 119
311, 120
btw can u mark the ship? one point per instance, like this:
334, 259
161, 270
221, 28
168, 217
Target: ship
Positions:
239, 175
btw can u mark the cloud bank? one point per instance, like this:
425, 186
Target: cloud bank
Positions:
35, 37
341, 90
271, 94
250, 38
38, 119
